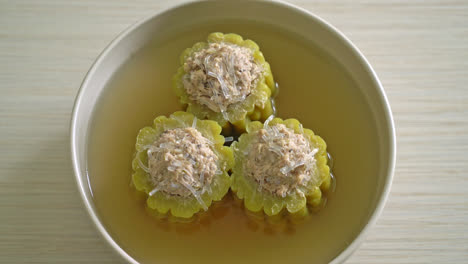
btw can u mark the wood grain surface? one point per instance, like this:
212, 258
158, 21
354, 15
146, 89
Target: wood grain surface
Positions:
418, 48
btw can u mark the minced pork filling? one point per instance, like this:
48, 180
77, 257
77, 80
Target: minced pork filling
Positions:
280, 160
220, 75
181, 162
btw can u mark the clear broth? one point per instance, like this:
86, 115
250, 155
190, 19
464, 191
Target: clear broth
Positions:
315, 89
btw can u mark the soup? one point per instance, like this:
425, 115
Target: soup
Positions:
314, 88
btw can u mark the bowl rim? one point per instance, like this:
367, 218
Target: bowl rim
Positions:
381, 200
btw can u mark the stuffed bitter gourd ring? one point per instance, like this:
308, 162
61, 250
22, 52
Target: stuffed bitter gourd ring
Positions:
181, 163
225, 79
280, 165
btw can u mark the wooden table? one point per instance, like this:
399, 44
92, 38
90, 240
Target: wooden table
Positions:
418, 48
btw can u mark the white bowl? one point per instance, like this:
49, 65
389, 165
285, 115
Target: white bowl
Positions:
280, 14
